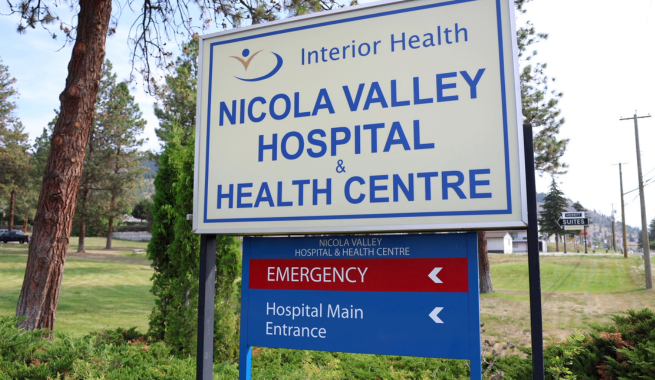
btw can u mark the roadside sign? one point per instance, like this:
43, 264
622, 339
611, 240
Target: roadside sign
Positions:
390, 116
574, 228
409, 295
573, 222
573, 215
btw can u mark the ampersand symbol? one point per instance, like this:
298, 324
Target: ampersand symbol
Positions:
340, 167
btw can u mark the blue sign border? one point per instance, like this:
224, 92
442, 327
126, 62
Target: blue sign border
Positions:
508, 210
475, 341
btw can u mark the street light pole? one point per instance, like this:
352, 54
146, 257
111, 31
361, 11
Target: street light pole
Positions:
644, 223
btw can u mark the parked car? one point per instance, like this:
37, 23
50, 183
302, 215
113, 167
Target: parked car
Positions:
18, 236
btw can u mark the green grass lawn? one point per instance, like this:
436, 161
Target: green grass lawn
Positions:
99, 290
576, 290
574, 274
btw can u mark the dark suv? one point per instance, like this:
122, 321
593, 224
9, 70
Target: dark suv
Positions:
18, 236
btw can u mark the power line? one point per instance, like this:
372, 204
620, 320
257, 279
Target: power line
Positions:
649, 172
646, 183
633, 199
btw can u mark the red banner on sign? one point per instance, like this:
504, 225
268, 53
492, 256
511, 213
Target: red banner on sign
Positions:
372, 275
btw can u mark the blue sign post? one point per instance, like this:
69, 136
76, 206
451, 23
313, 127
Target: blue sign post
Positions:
408, 295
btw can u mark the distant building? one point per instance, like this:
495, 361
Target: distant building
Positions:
519, 241
499, 242
511, 242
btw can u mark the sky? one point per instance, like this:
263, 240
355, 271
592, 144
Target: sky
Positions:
600, 53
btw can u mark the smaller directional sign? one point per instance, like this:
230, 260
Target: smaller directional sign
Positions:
574, 228
409, 295
573, 222
571, 215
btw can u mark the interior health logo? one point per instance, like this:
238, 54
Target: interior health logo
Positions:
245, 61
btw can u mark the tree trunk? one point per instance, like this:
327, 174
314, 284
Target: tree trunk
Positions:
80, 240
12, 207
86, 185
110, 229
483, 263
83, 214
25, 224
556, 242
56, 208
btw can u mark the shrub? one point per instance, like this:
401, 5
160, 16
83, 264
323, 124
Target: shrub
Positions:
110, 354
622, 350
270, 363
127, 354
175, 254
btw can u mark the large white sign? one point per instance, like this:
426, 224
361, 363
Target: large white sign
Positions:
393, 116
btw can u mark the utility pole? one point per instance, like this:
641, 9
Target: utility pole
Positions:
613, 231
644, 223
623, 227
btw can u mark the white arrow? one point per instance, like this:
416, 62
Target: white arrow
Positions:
433, 275
434, 314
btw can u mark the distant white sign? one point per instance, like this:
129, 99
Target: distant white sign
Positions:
573, 215
392, 116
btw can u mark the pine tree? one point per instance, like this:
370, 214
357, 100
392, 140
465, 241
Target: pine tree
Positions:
7, 93
28, 197
94, 185
176, 99
40, 152
14, 157
579, 207
553, 207
540, 103
119, 123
